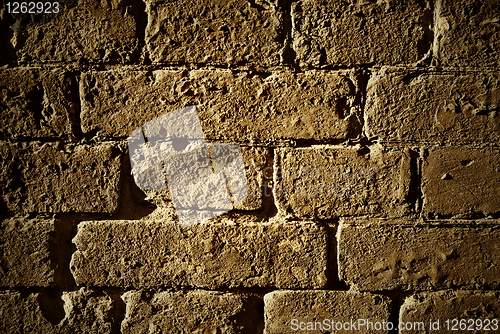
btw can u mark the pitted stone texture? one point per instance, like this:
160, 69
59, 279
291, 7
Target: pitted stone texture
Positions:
461, 182
84, 311
331, 181
444, 107
448, 305
213, 32
25, 252
195, 311
156, 253
232, 106
35, 103
385, 255
49, 177
280, 307
82, 30
467, 33
329, 32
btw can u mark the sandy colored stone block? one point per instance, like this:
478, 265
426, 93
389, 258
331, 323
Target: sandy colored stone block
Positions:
461, 182
25, 252
467, 33
378, 255
35, 103
331, 181
197, 311
444, 107
232, 106
82, 311
213, 32
37, 177
335, 32
320, 311
82, 30
159, 253
470, 308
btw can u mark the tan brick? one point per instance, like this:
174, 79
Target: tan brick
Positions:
331, 181
341, 33
231, 253
464, 306
25, 252
300, 311
232, 106
49, 177
85, 30
35, 103
213, 32
461, 182
467, 33
196, 311
385, 255
444, 107
85, 311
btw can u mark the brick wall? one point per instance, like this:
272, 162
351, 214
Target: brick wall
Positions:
371, 143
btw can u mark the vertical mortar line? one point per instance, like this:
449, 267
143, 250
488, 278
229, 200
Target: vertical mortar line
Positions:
287, 54
76, 106
435, 57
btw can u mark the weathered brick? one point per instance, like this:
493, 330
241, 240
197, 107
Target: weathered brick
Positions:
213, 32
285, 311
462, 182
331, 181
85, 311
49, 177
384, 255
467, 33
232, 106
444, 107
35, 103
341, 33
232, 253
83, 30
196, 311
440, 306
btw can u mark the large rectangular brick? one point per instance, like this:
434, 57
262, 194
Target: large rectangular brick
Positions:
325, 312
467, 33
35, 103
396, 254
451, 107
461, 182
232, 106
213, 32
349, 33
474, 311
53, 177
159, 253
197, 311
25, 258
331, 181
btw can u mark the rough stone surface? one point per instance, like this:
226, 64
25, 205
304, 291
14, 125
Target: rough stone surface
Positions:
445, 106
383, 255
461, 182
82, 30
447, 305
331, 181
338, 33
232, 106
467, 33
49, 177
196, 311
25, 252
213, 32
83, 311
326, 307
156, 253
